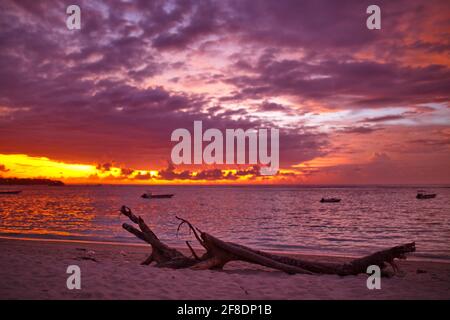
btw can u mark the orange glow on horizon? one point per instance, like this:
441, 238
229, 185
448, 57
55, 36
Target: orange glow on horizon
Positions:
24, 166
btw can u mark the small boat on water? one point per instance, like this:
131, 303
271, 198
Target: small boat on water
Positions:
330, 200
11, 192
149, 195
425, 195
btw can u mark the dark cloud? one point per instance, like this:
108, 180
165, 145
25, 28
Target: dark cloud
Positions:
385, 118
431, 142
3, 168
254, 171
271, 106
237, 112
143, 176
126, 172
360, 129
104, 167
431, 47
380, 84
203, 19
170, 174
213, 174
250, 173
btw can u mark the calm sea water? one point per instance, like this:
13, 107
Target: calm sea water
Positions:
278, 218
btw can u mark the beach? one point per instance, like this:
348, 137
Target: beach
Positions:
36, 269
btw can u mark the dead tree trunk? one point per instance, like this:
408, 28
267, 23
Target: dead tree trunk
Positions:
162, 254
219, 252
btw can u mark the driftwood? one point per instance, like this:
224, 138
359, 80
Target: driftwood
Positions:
219, 252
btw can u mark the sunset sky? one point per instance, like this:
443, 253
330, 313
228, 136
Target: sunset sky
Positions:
354, 106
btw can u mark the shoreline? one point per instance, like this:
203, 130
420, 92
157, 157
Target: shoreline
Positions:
37, 270
307, 253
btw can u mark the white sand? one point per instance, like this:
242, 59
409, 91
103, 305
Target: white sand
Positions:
37, 270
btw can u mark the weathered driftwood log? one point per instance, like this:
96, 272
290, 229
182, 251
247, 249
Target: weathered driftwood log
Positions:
219, 252
162, 254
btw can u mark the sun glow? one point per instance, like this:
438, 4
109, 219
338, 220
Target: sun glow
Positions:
24, 166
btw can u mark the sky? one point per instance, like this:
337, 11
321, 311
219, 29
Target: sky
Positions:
99, 104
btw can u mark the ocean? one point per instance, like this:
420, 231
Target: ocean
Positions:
273, 218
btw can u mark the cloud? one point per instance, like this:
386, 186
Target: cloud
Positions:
3, 168
170, 174
431, 142
202, 20
104, 167
139, 70
360, 129
373, 84
126, 172
384, 118
267, 106
143, 176
250, 173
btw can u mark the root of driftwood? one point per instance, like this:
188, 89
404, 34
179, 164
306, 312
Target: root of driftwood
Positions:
218, 253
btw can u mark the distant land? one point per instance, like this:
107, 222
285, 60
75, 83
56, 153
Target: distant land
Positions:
21, 181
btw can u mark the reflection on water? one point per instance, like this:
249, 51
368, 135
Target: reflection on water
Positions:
271, 218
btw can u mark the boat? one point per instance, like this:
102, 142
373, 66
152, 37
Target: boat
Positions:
425, 195
330, 200
149, 195
10, 192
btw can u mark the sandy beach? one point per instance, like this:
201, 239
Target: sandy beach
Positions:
37, 270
